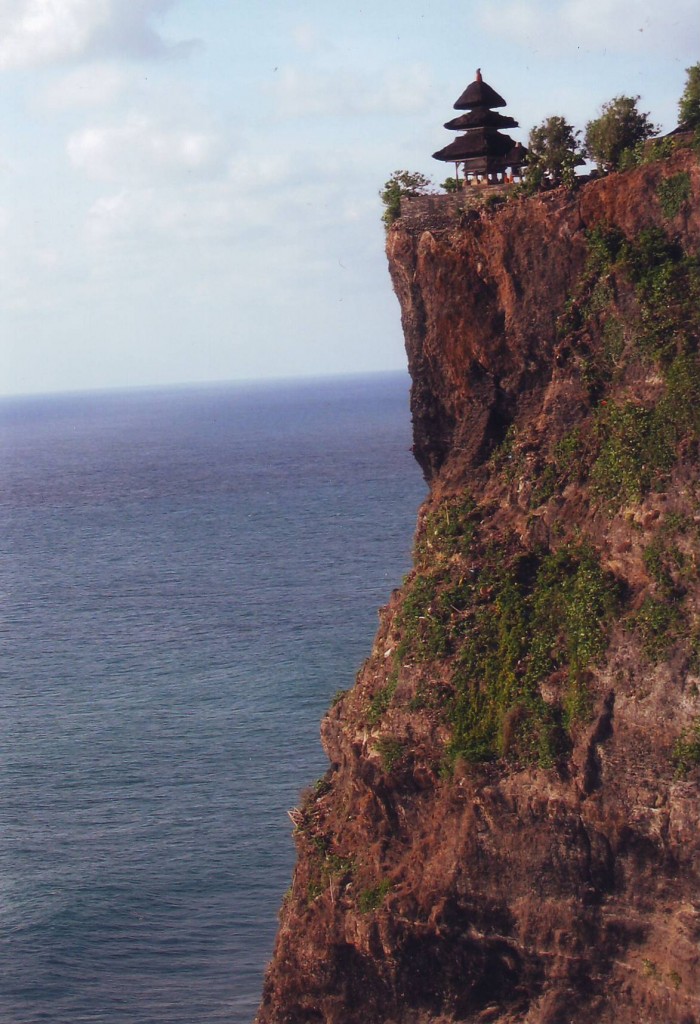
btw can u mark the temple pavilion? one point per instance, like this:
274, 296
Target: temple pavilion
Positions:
483, 150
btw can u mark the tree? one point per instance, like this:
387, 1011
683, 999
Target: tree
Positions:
619, 127
399, 185
553, 153
451, 185
689, 103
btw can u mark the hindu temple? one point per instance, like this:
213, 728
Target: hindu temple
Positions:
483, 151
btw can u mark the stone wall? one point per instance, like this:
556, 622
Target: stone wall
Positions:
437, 211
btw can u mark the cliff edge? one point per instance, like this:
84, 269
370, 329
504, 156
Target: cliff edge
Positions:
508, 830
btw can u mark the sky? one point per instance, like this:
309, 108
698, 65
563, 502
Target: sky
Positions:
189, 188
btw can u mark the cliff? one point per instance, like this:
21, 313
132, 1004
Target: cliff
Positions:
508, 830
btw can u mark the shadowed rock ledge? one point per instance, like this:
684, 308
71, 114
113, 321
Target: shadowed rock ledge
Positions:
508, 830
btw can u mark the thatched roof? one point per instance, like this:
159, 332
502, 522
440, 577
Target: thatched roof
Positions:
479, 94
481, 118
477, 142
518, 155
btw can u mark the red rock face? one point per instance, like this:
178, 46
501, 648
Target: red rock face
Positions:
508, 831
480, 301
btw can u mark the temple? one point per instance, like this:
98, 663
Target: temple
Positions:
483, 150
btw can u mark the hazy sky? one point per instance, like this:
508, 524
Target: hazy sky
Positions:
188, 188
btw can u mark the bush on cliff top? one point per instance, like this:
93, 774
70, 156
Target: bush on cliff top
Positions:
689, 103
619, 127
401, 184
553, 153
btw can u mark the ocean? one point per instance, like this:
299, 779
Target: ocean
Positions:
188, 576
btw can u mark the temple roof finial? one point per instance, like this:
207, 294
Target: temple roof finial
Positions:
478, 75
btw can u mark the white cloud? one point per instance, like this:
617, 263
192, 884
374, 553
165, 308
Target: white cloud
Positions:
306, 37
400, 91
161, 216
119, 215
34, 32
284, 199
39, 31
94, 85
622, 26
48, 259
141, 151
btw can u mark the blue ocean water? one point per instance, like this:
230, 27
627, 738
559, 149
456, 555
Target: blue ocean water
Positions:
187, 578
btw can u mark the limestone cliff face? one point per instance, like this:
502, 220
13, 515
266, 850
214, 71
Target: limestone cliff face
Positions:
508, 831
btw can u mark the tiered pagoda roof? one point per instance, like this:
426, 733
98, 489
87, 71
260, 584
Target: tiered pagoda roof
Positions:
483, 149
480, 119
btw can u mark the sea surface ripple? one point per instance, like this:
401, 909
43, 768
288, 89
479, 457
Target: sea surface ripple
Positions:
188, 576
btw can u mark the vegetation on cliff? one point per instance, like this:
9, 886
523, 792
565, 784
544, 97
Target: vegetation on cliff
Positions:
401, 185
508, 831
619, 127
689, 104
553, 153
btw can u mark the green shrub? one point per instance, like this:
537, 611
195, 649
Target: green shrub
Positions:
565, 465
620, 127
382, 699
451, 185
321, 787
651, 969
654, 561
371, 899
658, 624
674, 193
613, 340
636, 445
401, 184
648, 260
600, 298
573, 600
530, 618
544, 487
604, 245
567, 451
664, 561
689, 103
668, 289
422, 622
327, 868
448, 529
494, 199
680, 405
504, 458
390, 752
647, 152
314, 889
686, 751
553, 153
633, 447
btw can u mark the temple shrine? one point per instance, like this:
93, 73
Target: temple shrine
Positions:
485, 153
